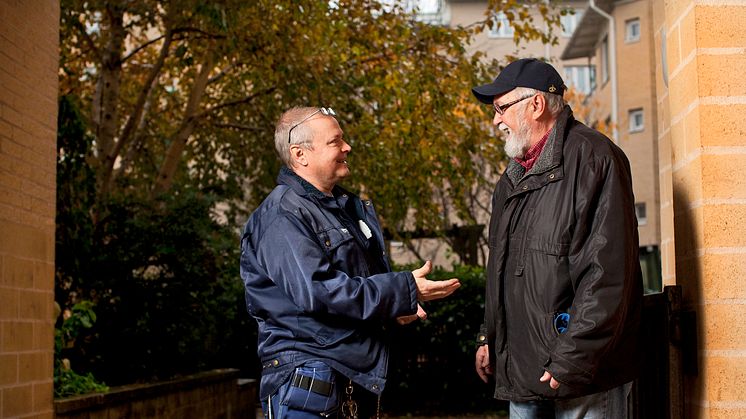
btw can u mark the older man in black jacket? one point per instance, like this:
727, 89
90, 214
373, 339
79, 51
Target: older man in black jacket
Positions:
564, 288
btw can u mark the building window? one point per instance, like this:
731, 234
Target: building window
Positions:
636, 120
580, 77
605, 60
570, 21
641, 213
650, 262
432, 12
632, 32
429, 6
501, 27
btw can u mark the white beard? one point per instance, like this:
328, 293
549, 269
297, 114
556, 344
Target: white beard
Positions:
517, 143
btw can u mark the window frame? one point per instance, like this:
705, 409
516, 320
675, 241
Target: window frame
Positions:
630, 23
588, 73
641, 213
605, 66
632, 125
574, 19
504, 30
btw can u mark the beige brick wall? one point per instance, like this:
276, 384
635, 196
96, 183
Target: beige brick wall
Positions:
702, 145
28, 120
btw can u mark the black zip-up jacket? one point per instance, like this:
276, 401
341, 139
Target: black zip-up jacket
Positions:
563, 239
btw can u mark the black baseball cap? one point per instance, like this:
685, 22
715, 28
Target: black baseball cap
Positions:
526, 72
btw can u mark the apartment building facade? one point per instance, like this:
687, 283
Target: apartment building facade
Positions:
584, 63
616, 38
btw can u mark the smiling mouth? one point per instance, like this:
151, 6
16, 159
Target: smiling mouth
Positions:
504, 128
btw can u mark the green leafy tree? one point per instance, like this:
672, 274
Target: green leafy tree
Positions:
167, 114
189, 91
162, 273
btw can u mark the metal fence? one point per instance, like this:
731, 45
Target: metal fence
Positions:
669, 336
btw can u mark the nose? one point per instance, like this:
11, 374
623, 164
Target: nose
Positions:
346, 147
497, 119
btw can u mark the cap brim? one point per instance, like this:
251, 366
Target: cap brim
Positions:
486, 93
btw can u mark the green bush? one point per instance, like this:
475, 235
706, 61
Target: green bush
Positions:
169, 297
70, 325
432, 364
162, 273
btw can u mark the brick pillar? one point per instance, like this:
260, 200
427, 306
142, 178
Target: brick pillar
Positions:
29, 38
701, 49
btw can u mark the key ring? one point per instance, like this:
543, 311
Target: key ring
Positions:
349, 407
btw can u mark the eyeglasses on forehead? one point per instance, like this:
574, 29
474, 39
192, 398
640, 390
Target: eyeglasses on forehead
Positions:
323, 111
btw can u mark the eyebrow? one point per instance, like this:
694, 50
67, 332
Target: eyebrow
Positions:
335, 137
497, 102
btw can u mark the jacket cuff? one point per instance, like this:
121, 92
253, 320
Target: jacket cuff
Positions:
566, 372
482, 336
412, 292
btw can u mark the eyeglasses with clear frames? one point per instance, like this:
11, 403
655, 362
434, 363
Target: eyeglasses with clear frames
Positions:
500, 109
323, 111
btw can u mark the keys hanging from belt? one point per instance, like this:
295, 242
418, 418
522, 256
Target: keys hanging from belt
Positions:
349, 406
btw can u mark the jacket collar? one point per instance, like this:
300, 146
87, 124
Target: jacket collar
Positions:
301, 186
551, 155
304, 188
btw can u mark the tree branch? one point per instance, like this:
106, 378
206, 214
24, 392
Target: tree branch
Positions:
179, 139
129, 126
221, 74
199, 31
141, 47
173, 38
134, 145
240, 127
87, 38
241, 101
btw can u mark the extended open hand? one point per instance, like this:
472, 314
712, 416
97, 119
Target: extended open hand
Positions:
432, 290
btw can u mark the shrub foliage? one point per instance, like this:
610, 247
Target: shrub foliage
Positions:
432, 368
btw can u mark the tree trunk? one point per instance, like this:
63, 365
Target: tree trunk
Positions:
188, 123
105, 113
129, 129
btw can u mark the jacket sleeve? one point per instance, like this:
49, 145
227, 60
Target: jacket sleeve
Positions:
292, 257
604, 269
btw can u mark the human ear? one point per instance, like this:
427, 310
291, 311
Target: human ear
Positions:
298, 155
540, 104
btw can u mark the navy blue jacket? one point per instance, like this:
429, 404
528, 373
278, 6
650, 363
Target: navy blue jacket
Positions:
318, 288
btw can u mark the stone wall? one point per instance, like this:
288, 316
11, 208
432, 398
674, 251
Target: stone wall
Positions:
212, 394
29, 38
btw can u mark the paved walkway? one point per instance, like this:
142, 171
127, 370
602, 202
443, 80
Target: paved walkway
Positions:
259, 415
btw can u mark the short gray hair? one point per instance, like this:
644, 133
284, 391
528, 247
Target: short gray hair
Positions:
301, 135
555, 102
